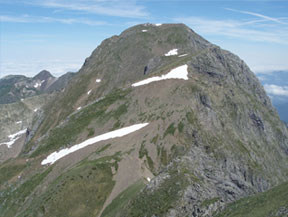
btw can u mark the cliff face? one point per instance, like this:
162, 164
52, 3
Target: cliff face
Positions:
212, 135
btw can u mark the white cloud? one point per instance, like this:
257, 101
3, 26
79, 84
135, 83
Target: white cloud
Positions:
247, 30
269, 68
32, 67
272, 89
262, 78
37, 19
258, 15
116, 8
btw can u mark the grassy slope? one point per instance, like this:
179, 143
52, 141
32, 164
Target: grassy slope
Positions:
12, 199
81, 191
260, 205
61, 136
8, 171
122, 199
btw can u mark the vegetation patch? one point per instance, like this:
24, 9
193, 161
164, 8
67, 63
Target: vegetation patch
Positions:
150, 162
177, 150
90, 132
155, 139
143, 151
170, 130
180, 127
116, 125
104, 148
122, 109
163, 156
122, 199
191, 117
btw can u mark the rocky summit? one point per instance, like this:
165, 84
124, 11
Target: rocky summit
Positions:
157, 122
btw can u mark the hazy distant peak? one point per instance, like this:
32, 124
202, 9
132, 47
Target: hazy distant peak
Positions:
43, 75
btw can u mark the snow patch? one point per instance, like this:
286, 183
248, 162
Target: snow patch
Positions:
183, 55
52, 158
98, 80
13, 138
144, 30
35, 110
17, 134
148, 179
79, 108
152, 24
172, 52
19, 122
37, 85
177, 73
89, 92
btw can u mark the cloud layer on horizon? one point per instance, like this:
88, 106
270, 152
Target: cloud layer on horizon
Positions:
32, 67
276, 90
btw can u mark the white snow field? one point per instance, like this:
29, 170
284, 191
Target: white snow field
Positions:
172, 53
177, 73
144, 30
13, 138
52, 158
98, 80
89, 92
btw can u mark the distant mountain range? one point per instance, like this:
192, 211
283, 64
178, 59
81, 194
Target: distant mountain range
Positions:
13, 88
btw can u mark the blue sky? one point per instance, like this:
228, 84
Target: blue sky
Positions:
58, 35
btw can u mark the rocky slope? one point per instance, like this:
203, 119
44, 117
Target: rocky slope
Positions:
212, 135
21, 102
17, 117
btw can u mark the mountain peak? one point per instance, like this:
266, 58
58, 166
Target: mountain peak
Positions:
43, 75
211, 135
